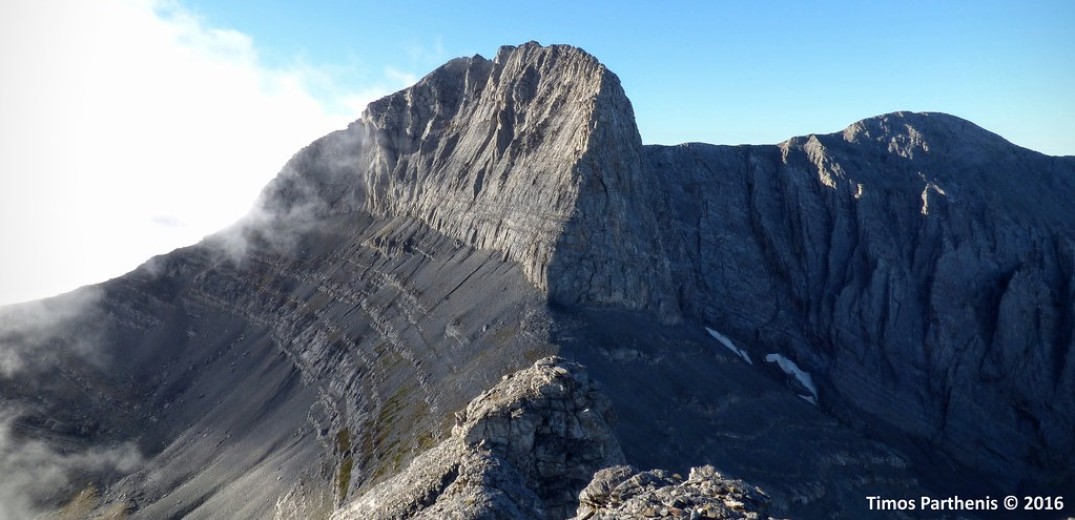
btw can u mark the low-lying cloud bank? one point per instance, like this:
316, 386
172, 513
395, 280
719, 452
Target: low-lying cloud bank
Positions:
33, 334
35, 473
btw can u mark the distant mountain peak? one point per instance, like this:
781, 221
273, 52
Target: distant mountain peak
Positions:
905, 133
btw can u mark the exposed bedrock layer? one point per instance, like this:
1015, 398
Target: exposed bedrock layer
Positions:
534, 154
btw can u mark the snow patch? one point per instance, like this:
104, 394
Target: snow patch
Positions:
731, 346
792, 369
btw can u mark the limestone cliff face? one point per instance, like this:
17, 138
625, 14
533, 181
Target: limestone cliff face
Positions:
920, 267
534, 154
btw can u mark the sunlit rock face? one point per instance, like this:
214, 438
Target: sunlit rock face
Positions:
523, 449
881, 311
534, 154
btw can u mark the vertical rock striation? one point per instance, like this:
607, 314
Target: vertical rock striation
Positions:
920, 267
534, 154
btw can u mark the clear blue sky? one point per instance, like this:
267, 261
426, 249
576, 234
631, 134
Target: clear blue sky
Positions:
722, 71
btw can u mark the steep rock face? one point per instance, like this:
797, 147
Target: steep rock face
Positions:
522, 450
920, 267
534, 154
682, 400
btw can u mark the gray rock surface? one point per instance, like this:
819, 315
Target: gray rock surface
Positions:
624, 493
918, 266
272, 384
683, 400
534, 154
522, 450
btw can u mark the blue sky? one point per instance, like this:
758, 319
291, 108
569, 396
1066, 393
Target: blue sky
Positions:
725, 72
131, 127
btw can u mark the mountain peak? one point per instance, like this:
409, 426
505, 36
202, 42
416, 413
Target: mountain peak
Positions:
534, 49
534, 154
905, 133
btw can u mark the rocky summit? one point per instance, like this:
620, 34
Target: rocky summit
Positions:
522, 450
398, 328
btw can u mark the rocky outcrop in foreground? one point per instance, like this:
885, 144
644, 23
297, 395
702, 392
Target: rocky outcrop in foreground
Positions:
522, 450
624, 493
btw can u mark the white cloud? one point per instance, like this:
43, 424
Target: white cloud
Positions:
35, 471
131, 127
